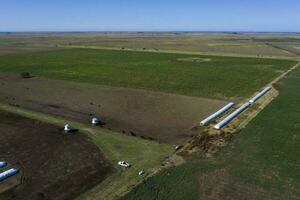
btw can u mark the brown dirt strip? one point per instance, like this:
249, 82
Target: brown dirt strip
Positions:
53, 165
157, 116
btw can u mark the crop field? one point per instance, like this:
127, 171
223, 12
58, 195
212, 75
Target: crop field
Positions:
208, 76
222, 44
261, 163
151, 90
44, 155
285, 43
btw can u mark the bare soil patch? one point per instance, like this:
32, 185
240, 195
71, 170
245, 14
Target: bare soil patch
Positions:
152, 115
52, 165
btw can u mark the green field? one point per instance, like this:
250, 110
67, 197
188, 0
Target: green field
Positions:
261, 163
204, 76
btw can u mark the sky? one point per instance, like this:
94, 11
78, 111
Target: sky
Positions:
150, 15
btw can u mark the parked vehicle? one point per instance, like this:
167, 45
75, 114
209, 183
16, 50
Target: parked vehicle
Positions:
141, 173
124, 164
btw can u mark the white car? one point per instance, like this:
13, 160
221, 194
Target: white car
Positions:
141, 173
177, 147
96, 121
124, 164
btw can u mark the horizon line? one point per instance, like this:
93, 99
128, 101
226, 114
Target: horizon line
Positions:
147, 31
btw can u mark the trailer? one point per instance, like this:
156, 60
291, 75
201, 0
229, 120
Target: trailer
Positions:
8, 173
216, 114
233, 115
2, 164
259, 95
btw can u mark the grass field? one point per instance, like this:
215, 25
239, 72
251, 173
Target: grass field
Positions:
116, 147
204, 76
261, 163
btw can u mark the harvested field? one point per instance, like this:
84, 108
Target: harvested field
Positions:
53, 165
164, 117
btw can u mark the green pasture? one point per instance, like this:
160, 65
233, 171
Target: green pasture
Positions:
215, 77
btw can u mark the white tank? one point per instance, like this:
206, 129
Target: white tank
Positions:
95, 121
8, 173
216, 114
259, 95
233, 115
2, 164
68, 128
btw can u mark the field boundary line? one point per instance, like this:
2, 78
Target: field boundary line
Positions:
181, 52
